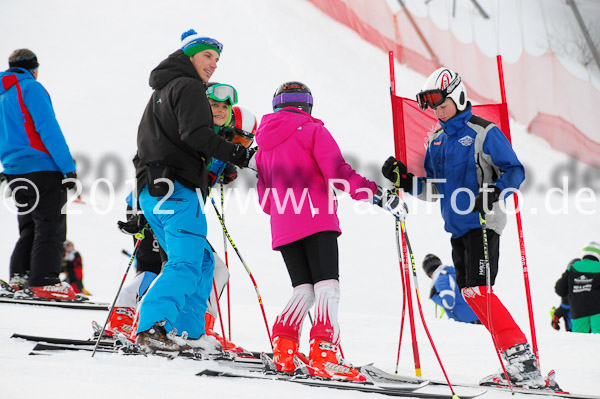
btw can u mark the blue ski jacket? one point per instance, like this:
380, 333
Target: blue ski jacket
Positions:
30, 137
465, 154
447, 295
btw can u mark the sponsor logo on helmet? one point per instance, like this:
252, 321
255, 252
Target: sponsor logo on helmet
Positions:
445, 80
466, 141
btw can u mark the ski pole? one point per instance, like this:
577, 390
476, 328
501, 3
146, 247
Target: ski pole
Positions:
414, 273
403, 266
220, 316
246, 267
488, 283
139, 236
403, 294
226, 264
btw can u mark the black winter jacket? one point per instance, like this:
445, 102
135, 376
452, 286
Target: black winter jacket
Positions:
177, 126
581, 284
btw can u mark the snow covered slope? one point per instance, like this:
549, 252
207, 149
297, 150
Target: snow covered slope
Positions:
95, 61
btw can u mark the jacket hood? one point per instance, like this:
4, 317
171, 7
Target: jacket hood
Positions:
177, 65
10, 77
277, 127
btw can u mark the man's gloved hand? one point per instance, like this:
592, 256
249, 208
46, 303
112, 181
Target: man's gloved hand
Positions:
241, 155
396, 172
391, 203
134, 224
229, 174
486, 199
67, 185
2, 178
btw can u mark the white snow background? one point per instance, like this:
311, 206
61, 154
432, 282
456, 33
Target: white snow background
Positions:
95, 61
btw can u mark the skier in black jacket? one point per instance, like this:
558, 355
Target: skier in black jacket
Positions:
580, 283
175, 141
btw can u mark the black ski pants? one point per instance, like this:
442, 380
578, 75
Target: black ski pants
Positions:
42, 226
469, 260
312, 259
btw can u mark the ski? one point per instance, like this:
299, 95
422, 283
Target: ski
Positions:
45, 348
128, 348
64, 341
524, 391
76, 304
412, 390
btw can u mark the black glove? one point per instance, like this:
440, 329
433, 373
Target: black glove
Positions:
2, 177
241, 155
229, 174
134, 224
486, 199
67, 185
396, 172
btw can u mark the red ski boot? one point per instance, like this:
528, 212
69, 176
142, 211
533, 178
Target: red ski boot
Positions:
326, 361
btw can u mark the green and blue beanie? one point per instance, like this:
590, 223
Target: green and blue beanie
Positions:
192, 43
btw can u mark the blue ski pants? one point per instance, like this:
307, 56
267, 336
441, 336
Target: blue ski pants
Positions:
180, 292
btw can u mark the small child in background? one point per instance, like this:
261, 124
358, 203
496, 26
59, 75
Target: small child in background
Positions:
72, 267
445, 292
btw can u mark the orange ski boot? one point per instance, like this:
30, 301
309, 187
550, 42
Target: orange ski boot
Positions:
327, 362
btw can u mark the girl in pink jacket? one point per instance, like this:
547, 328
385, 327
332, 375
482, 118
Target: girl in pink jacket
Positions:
297, 163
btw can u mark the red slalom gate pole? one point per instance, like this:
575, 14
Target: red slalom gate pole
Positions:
407, 288
506, 123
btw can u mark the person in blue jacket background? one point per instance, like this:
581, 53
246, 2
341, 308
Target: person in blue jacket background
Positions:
445, 292
36, 159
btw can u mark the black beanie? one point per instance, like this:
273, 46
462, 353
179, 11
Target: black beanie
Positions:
30, 63
430, 263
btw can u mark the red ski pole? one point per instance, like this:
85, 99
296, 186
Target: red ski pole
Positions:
227, 265
403, 296
414, 273
220, 316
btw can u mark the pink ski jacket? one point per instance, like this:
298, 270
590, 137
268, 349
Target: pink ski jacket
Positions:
297, 162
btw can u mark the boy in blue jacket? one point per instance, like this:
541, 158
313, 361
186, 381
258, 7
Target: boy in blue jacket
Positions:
36, 159
471, 168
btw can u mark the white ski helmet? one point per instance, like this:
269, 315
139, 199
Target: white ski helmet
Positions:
244, 125
441, 84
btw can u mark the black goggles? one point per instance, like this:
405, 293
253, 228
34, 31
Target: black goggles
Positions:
434, 98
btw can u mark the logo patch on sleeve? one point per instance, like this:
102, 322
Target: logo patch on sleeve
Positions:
436, 143
466, 141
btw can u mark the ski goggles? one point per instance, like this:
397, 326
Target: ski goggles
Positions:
292, 98
209, 41
241, 137
222, 92
434, 98
237, 136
